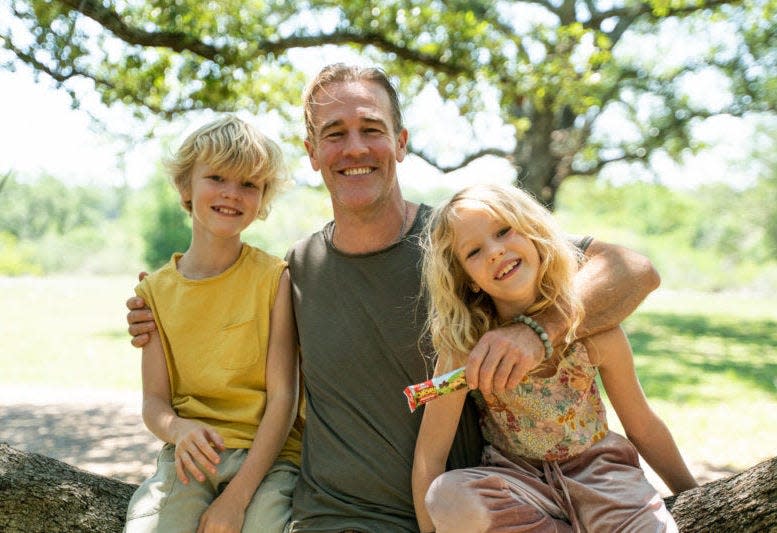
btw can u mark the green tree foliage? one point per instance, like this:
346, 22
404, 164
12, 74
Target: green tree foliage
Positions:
710, 238
553, 71
15, 260
47, 205
763, 196
166, 227
47, 226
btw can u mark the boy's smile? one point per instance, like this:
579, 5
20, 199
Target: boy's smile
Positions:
223, 203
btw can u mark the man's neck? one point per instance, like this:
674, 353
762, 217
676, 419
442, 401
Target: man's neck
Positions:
355, 233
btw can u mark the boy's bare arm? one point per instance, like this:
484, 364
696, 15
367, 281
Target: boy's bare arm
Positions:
280, 412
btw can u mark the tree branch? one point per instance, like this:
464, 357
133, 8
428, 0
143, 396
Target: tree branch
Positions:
61, 77
464, 162
40, 494
179, 41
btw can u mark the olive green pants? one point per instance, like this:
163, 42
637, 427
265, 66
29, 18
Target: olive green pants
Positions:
162, 503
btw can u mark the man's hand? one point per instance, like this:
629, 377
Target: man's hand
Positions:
140, 319
502, 357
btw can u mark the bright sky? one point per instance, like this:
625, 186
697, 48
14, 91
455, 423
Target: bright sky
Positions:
41, 133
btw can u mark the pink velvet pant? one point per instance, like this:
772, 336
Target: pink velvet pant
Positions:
601, 490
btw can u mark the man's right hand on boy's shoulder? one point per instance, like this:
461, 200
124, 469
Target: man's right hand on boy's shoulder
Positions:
140, 319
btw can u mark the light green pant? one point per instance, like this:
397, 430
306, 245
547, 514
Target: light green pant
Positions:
162, 503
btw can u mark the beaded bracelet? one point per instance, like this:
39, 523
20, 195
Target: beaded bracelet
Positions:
539, 331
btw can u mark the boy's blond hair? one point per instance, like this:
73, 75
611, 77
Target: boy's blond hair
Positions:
229, 144
458, 316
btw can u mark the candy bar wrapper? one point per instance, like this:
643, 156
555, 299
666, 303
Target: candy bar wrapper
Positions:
420, 393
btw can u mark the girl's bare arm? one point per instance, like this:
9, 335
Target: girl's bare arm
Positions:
438, 427
612, 352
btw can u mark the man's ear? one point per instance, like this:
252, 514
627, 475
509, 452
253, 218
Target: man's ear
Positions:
310, 149
402, 139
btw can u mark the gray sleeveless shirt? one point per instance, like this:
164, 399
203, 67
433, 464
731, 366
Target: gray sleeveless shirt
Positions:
359, 319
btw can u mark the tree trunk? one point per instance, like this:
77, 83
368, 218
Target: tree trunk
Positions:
40, 494
746, 502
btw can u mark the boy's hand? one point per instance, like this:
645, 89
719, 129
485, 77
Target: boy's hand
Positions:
224, 515
196, 450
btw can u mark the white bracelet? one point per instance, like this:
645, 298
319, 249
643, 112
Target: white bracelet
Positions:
539, 331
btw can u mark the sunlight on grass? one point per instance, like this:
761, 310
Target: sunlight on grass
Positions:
67, 332
710, 374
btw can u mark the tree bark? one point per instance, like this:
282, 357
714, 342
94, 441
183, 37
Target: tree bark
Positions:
41, 494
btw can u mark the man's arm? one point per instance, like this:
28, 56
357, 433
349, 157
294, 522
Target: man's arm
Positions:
611, 284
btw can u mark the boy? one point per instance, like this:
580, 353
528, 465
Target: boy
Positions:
220, 375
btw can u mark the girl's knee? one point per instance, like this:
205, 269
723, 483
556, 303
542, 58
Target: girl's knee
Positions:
461, 502
445, 492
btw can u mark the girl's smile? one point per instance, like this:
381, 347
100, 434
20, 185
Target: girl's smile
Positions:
508, 270
497, 259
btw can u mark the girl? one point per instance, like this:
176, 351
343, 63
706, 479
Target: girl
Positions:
495, 256
220, 373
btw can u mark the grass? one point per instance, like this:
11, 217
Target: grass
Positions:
707, 362
67, 332
708, 365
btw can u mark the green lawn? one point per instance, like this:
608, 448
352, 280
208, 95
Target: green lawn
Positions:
708, 365
67, 332
707, 362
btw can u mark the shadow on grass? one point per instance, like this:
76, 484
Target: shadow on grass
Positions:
677, 355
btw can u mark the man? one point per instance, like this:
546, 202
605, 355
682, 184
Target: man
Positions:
355, 287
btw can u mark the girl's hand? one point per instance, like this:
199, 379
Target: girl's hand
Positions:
223, 515
196, 450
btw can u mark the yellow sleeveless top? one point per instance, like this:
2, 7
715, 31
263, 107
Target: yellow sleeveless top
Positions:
215, 334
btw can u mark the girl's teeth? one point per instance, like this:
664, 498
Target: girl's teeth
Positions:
507, 269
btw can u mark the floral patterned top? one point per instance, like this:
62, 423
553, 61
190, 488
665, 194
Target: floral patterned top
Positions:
550, 419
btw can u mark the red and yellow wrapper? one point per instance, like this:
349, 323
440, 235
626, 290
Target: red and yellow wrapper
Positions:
420, 393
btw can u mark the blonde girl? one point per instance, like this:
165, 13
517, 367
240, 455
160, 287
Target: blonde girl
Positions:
495, 256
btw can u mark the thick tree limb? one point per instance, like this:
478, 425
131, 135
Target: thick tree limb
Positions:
40, 494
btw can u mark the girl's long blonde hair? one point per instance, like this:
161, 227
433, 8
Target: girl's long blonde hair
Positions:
458, 316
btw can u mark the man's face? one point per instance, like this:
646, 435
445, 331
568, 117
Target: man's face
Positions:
354, 145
